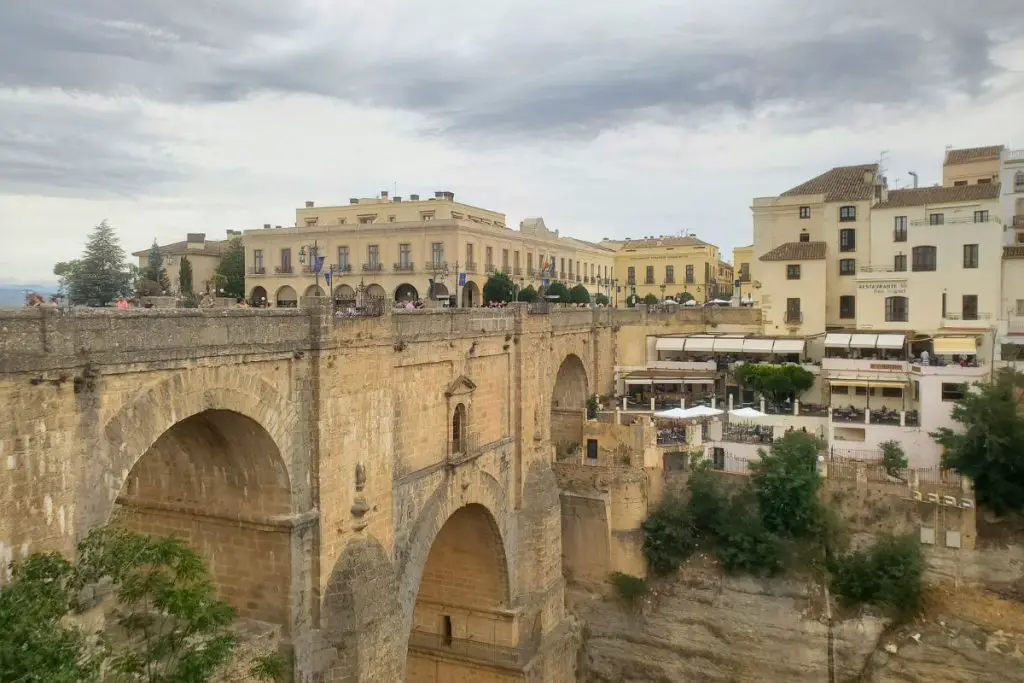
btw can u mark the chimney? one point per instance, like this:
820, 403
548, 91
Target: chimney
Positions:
444, 195
353, 200
278, 227
266, 226
383, 194
414, 198
396, 199
195, 237
869, 175
913, 174
309, 204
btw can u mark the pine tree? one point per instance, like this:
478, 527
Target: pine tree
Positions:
185, 276
230, 273
155, 272
101, 275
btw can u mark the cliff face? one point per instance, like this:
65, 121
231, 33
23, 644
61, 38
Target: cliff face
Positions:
707, 628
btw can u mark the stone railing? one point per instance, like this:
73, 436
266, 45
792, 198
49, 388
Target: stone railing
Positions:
504, 655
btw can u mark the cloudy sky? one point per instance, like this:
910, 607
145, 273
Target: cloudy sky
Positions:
609, 119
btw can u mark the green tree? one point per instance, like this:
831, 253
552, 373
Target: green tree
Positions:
559, 291
171, 628
579, 295
185, 276
601, 299
889, 574
786, 483
990, 445
632, 300
651, 299
229, 276
499, 288
684, 297
155, 271
893, 457
101, 275
528, 293
777, 383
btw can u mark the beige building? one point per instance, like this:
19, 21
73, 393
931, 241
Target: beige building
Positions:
971, 166
670, 267
741, 262
203, 254
396, 248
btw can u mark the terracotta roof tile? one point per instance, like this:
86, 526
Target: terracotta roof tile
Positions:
796, 251
210, 248
841, 184
1013, 252
971, 154
921, 196
656, 242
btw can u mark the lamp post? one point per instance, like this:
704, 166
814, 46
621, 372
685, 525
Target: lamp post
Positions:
315, 262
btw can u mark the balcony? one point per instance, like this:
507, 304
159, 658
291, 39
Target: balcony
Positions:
561, 275
284, 270
794, 317
502, 655
373, 267
864, 365
973, 321
406, 267
969, 372
669, 281
341, 268
256, 270
953, 221
489, 268
703, 366
517, 271
470, 266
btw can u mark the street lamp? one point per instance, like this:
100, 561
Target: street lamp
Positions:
314, 263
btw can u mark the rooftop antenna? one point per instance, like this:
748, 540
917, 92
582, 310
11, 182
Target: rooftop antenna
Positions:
882, 158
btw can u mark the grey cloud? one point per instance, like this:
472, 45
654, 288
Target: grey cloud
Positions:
509, 75
79, 153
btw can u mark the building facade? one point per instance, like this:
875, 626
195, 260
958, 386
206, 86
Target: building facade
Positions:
670, 267
203, 254
407, 249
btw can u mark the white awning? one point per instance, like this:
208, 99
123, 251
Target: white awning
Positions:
890, 341
668, 380
758, 345
670, 343
638, 380
949, 346
837, 340
788, 346
863, 341
728, 344
698, 380
700, 344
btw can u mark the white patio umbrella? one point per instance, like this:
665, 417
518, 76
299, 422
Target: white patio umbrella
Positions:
701, 411
746, 413
690, 302
671, 414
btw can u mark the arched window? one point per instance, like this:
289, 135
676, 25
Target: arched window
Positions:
897, 309
459, 434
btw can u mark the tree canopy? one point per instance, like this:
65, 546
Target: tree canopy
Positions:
185, 276
601, 299
651, 299
989, 447
229, 276
559, 291
776, 383
499, 288
579, 295
101, 275
528, 293
155, 272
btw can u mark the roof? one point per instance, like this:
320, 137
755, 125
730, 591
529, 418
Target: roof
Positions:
841, 184
656, 242
209, 248
939, 195
796, 251
1013, 252
971, 154
585, 243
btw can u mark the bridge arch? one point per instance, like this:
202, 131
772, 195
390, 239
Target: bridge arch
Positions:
569, 402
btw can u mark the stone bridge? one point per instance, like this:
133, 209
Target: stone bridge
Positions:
380, 489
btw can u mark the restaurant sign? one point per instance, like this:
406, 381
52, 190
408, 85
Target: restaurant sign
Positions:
888, 288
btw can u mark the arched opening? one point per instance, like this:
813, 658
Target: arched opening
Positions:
314, 290
470, 294
406, 292
217, 480
375, 292
459, 429
286, 298
462, 626
440, 291
569, 404
258, 297
344, 295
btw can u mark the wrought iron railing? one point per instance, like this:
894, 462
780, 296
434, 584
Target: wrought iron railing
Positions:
373, 267
406, 267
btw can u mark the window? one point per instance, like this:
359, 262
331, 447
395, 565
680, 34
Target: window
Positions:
592, 450
257, 259
1018, 181
984, 181
899, 263
504, 260
805, 212
970, 256
437, 253
981, 216
311, 221
897, 309
923, 259
631, 275
366, 219
649, 278
847, 214
936, 219
689, 274
847, 266
959, 183
793, 271
1020, 306
793, 314
848, 306
446, 630
899, 229
848, 239
840, 389
892, 392
404, 255
670, 275
488, 258
953, 392
286, 260
805, 237
373, 255
427, 216
343, 259
969, 307
459, 429
341, 221
515, 261
470, 264
529, 264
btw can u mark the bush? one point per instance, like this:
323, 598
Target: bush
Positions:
893, 457
890, 574
651, 299
708, 503
786, 482
601, 299
743, 545
669, 536
631, 588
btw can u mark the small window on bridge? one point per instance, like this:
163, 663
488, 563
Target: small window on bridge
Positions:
592, 449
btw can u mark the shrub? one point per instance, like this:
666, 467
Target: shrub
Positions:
593, 404
708, 502
631, 588
669, 536
651, 300
890, 574
786, 483
893, 457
